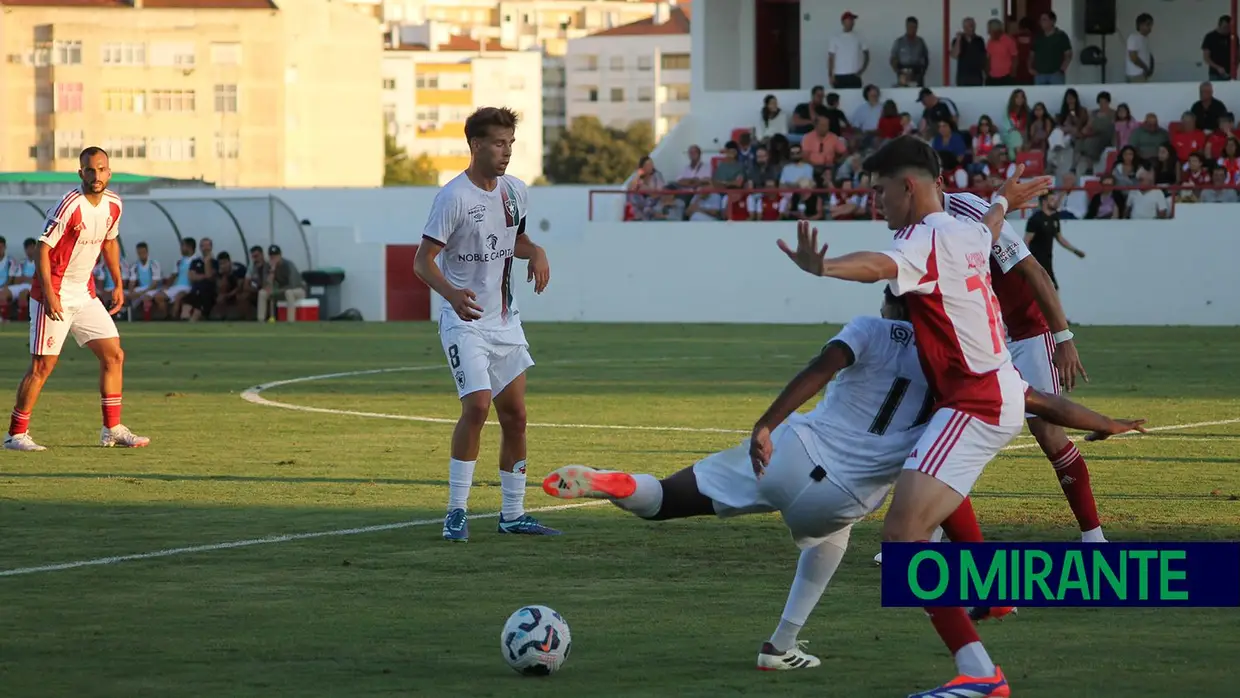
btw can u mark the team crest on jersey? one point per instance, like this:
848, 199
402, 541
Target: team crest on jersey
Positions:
901, 334
478, 213
511, 213
492, 241
460, 378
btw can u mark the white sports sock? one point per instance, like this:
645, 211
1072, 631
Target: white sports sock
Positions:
937, 535
646, 500
460, 479
512, 486
1093, 535
972, 660
815, 568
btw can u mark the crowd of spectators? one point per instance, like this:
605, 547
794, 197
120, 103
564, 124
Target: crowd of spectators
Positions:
201, 285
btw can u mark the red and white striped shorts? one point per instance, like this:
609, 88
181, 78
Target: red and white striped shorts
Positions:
956, 447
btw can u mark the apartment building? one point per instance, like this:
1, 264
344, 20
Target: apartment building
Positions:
432, 85
636, 72
237, 92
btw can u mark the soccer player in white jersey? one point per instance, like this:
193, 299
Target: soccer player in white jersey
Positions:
475, 229
144, 278
85, 223
823, 471
942, 264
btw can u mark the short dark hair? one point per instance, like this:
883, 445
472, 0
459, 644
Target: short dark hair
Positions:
189, 241
256, 248
1143, 18
3, 241
485, 118
29, 241
223, 256
1103, 95
833, 98
731, 145
1054, 17
140, 246
89, 153
905, 152
817, 88
911, 20
1228, 116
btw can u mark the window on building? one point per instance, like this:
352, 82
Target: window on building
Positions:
427, 82
389, 83
172, 54
68, 97
675, 61
226, 53
172, 149
645, 93
593, 95
128, 101
678, 93
123, 53
69, 144
227, 146
179, 101
226, 99
645, 62
67, 52
616, 63
126, 148
617, 94
586, 64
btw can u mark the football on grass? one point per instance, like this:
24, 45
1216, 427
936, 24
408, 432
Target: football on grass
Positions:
535, 641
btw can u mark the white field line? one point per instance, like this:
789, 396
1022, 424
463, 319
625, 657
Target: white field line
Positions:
268, 540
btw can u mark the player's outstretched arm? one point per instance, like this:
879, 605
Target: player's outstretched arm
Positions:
835, 357
1067, 360
539, 269
866, 267
1065, 413
1017, 195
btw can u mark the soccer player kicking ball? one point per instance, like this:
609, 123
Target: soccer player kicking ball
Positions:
62, 300
476, 227
823, 471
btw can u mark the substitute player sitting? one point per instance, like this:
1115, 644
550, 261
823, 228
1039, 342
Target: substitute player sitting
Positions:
823, 471
475, 229
62, 300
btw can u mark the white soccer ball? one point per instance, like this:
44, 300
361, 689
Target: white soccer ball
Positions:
535, 641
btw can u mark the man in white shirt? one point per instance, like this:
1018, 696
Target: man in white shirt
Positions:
1075, 202
847, 56
1150, 202
696, 173
1139, 65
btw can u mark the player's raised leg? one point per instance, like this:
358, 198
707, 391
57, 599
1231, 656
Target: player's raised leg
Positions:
510, 410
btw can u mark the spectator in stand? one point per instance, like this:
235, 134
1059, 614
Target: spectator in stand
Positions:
907, 127
645, 179
985, 139
1229, 162
805, 114
890, 125
820, 147
1216, 50
1150, 202
847, 56
1224, 192
1139, 62
1127, 165
950, 140
696, 173
866, 116
770, 122
730, 173
847, 203
969, 50
1016, 121
746, 149
1073, 116
228, 304
1149, 137
910, 56
760, 174
1041, 125
1207, 109
1024, 31
283, 282
955, 176
1073, 202
998, 166
1097, 136
935, 110
978, 184
1190, 138
1166, 166
1124, 125
1107, 203
670, 208
850, 169
836, 119
811, 204
1001, 55
707, 207
1194, 174
1052, 53
1042, 231
795, 173
1219, 137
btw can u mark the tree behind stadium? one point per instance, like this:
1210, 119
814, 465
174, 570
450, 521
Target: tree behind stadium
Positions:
591, 153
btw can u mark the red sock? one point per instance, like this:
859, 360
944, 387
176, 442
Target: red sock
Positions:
19, 422
1073, 476
111, 405
953, 626
961, 526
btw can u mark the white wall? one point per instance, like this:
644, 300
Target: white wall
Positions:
1179, 27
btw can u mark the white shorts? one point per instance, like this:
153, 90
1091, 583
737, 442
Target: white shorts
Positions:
86, 318
15, 289
812, 506
144, 292
1034, 360
173, 291
483, 359
956, 447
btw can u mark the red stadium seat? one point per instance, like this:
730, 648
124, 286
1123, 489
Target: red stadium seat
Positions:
630, 214
739, 209
736, 133
770, 207
1033, 160
1112, 156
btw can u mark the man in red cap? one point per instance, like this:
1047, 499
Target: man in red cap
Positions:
847, 56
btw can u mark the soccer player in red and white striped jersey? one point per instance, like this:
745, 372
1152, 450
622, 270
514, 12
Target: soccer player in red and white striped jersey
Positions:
941, 264
85, 223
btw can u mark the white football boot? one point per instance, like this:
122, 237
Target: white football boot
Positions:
771, 659
120, 435
22, 442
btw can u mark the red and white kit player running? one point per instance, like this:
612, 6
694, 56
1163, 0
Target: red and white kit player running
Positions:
475, 229
62, 301
942, 265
